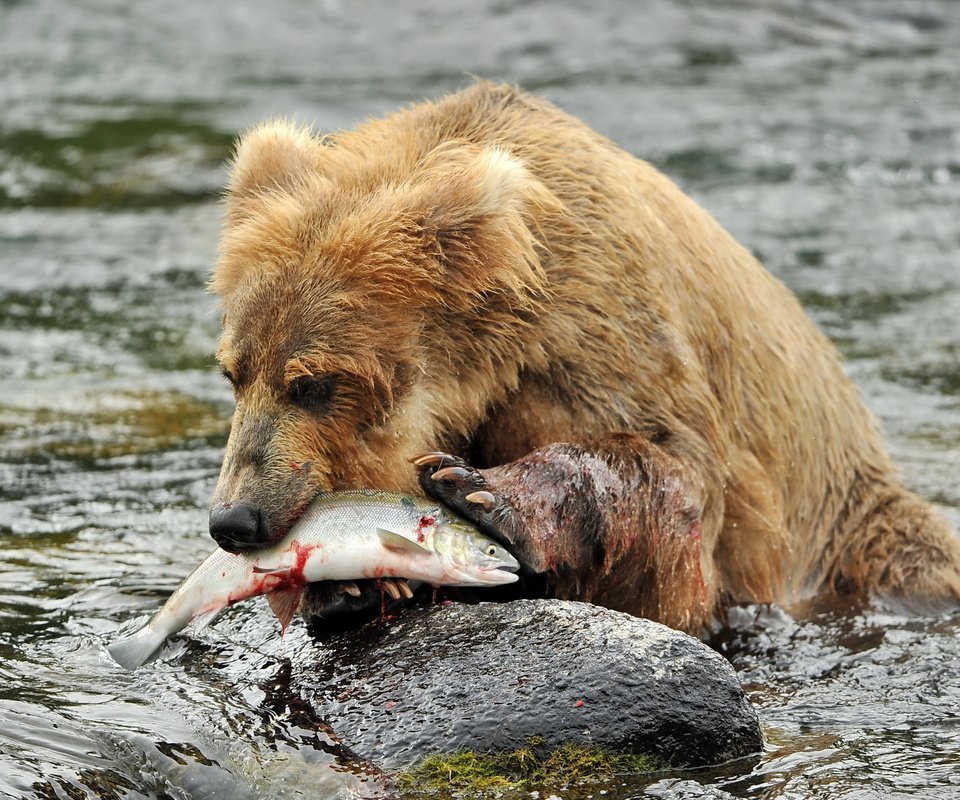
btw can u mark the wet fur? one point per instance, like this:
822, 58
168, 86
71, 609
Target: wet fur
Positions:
487, 275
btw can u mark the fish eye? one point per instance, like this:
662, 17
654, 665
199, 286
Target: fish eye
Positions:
491, 550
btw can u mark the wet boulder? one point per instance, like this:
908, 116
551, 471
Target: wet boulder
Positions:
492, 677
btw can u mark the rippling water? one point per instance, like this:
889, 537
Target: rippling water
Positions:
825, 136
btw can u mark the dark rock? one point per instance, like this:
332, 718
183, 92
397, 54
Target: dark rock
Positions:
489, 677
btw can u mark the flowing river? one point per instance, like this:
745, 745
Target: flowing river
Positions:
824, 135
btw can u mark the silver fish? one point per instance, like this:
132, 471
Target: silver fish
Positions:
341, 536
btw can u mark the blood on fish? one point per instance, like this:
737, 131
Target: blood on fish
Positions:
425, 522
261, 584
303, 552
271, 581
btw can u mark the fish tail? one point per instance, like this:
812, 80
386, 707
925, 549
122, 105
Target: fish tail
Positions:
132, 651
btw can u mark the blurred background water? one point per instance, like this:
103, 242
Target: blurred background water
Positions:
825, 136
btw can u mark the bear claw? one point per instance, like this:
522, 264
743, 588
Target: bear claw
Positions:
430, 459
485, 499
451, 474
388, 586
396, 587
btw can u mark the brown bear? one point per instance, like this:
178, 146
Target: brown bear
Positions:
600, 375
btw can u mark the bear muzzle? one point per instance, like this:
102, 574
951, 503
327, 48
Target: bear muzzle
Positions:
239, 527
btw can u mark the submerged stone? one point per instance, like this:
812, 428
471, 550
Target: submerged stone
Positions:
491, 677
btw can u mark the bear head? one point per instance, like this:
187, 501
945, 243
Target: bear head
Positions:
377, 291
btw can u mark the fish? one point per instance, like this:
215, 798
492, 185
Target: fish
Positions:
340, 536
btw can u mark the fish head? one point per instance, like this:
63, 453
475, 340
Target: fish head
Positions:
475, 559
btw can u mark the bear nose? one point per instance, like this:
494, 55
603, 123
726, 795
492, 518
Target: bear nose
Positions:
238, 527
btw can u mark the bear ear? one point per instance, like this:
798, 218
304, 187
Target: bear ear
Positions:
468, 183
275, 156
480, 208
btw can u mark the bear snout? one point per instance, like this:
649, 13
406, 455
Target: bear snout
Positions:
239, 527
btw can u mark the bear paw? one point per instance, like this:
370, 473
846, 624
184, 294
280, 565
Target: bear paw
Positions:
465, 490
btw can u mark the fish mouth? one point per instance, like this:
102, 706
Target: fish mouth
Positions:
503, 566
496, 576
493, 571
497, 572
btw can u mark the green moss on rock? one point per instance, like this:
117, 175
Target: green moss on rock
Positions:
528, 768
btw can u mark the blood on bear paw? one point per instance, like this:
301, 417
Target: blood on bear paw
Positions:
569, 509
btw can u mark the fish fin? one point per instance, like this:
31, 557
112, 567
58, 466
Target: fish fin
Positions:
396, 541
199, 622
132, 651
270, 570
284, 603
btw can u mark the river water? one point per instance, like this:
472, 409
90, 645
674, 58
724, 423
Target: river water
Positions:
825, 136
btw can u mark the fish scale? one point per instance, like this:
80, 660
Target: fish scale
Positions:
340, 536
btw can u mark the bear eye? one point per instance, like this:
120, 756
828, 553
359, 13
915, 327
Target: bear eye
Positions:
229, 377
311, 392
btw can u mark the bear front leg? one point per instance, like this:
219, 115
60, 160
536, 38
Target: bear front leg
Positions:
615, 521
